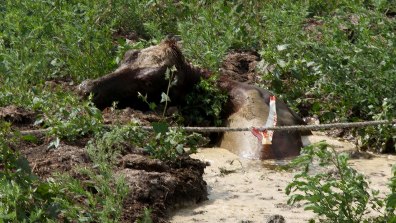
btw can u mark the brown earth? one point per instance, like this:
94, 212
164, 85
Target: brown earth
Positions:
160, 186
241, 66
20, 117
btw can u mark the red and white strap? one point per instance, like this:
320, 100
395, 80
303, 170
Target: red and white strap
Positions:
266, 136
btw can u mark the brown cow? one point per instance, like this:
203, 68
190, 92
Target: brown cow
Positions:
144, 71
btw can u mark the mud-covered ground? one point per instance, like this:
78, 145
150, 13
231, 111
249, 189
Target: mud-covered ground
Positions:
242, 190
160, 186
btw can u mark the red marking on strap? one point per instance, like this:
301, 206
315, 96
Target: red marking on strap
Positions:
257, 133
267, 134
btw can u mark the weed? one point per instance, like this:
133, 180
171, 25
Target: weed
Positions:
205, 103
96, 198
168, 144
339, 195
23, 196
146, 218
26, 198
107, 146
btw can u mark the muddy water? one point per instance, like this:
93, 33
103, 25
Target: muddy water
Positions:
242, 190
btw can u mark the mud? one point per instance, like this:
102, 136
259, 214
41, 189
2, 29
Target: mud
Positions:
126, 115
45, 162
18, 116
241, 66
242, 190
160, 186
63, 83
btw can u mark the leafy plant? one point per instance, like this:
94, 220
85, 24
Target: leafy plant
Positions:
97, 197
391, 199
26, 198
108, 145
205, 103
23, 196
168, 144
169, 76
340, 194
387, 132
146, 218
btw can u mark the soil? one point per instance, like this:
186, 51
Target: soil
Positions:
161, 186
241, 66
20, 117
120, 116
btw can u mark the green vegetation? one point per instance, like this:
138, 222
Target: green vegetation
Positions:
340, 194
168, 144
26, 198
313, 53
335, 59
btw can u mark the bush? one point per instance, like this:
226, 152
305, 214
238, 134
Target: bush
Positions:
340, 194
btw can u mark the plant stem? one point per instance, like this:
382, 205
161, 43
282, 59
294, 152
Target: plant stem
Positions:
167, 92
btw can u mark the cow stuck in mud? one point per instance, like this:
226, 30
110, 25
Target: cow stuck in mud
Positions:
144, 72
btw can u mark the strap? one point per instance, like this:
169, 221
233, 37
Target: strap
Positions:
266, 136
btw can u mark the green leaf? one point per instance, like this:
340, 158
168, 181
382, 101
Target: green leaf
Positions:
160, 127
391, 201
314, 208
30, 138
23, 164
180, 149
165, 97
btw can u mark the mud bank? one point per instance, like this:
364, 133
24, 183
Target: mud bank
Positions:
242, 190
160, 186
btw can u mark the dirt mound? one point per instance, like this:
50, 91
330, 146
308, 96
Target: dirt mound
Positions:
45, 162
63, 83
17, 115
160, 186
241, 66
117, 116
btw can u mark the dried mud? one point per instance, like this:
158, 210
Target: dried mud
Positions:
160, 186
241, 66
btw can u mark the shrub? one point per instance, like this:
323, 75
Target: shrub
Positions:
168, 144
340, 194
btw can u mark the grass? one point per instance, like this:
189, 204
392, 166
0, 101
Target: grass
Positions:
334, 59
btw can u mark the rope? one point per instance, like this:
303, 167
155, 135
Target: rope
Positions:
242, 129
284, 128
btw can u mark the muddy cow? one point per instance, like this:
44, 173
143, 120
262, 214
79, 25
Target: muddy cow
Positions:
248, 106
144, 71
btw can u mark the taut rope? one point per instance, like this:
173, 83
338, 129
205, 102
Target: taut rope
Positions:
277, 128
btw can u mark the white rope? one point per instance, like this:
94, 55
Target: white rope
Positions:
231, 129
286, 128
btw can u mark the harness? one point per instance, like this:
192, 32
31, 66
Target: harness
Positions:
266, 136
